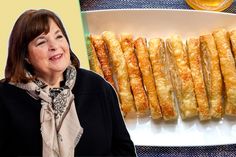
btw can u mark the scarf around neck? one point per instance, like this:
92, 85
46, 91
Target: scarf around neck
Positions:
60, 126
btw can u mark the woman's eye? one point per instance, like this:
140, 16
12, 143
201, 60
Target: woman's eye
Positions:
40, 43
59, 36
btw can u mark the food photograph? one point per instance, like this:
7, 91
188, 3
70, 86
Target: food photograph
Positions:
173, 68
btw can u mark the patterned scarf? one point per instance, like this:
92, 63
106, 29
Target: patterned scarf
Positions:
60, 126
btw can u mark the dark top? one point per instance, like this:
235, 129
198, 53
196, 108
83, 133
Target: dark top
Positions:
105, 133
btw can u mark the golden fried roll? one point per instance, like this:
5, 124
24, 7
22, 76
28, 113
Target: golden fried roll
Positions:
102, 56
140, 97
228, 69
212, 74
120, 69
148, 78
163, 84
233, 42
93, 59
183, 83
194, 56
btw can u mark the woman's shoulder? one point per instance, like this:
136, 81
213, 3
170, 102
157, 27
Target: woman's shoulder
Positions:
90, 80
88, 75
6, 88
9, 91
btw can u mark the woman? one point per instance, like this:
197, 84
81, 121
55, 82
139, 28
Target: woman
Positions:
48, 105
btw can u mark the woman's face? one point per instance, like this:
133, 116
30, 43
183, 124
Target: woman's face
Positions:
49, 53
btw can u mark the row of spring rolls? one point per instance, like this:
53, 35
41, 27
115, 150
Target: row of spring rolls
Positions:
157, 76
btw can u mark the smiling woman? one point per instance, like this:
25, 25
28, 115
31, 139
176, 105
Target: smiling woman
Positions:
49, 54
51, 107
31, 48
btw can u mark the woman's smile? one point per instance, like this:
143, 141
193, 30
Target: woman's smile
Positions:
56, 57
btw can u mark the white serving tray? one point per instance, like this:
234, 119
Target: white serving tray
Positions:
162, 23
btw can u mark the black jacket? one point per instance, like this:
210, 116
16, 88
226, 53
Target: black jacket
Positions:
97, 107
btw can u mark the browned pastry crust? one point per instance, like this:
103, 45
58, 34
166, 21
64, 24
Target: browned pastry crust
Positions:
148, 78
93, 59
228, 69
102, 56
120, 70
140, 97
233, 42
181, 77
194, 56
163, 84
212, 74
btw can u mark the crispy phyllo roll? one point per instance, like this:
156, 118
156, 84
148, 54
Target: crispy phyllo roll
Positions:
93, 59
233, 42
120, 70
212, 74
228, 69
148, 78
194, 56
140, 97
163, 84
182, 78
102, 56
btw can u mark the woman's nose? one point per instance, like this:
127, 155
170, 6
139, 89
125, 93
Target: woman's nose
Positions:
52, 45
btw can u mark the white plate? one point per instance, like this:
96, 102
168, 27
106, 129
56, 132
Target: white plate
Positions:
163, 23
